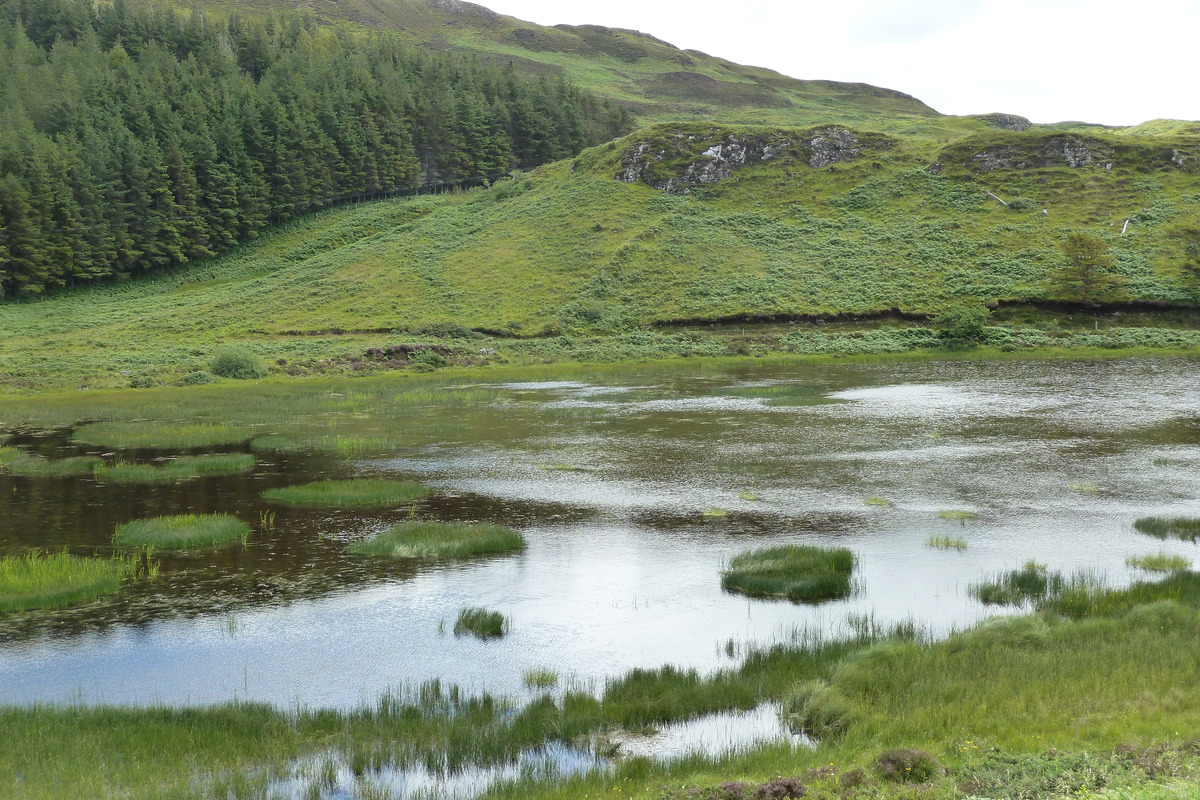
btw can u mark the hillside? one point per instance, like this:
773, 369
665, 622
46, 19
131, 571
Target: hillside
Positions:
674, 223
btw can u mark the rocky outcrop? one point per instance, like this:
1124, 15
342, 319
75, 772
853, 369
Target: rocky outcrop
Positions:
1008, 122
1053, 151
678, 161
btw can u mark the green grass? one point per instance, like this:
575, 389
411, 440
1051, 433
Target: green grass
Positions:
799, 573
53, 580
1186, 528
1031, 582
354, 493
480, 623
539, 678
18, 462
160, 435
881, 502
439, 540
182, 532
958, 515
947, 543
1159, 562
177, 469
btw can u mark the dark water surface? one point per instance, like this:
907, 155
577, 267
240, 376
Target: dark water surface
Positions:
622, 568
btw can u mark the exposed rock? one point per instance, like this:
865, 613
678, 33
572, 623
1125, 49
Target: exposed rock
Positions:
467, 9
678, 161
1055, 151
1008, 122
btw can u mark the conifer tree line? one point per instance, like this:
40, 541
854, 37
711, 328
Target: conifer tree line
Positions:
134, 139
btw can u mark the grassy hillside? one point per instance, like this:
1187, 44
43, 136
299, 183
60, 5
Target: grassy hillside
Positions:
590, 247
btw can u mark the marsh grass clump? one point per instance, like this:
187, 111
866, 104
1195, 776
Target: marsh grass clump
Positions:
439, 540
481, 623
881, 502
160, 435
957, 515
1184, 528
947, 543
1031, 582
232, 362
178, 469
182, 532
33, 466
353, 493
800, 573
540, 678
1159, 562
907, 765
53, 580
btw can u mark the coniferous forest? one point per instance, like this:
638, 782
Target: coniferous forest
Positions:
135, 140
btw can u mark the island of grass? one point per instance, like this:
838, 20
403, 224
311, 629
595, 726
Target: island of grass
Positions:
182, 532
53, 580
439, 540
1183, 528
18, 462
160, 435
481, 623
355, 493
800, 573
178, 469
1031, 582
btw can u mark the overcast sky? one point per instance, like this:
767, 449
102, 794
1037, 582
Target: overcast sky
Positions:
1116, 63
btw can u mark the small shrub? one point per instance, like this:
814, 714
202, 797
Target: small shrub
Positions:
906, 765
427, 361
1023, 204
198, 378
780, 788
962, 323
480, 622
232, 362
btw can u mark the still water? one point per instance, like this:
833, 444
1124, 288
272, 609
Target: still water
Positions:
632, 494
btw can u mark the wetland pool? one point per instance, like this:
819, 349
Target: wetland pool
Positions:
633, 491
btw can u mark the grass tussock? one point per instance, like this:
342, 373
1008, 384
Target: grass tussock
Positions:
183, 531
800, 573
1159, 562
880, 502
439, 540
540, 678
53, 580
947, 543
1184, 528
480, 623
18, 462
1031, 582
957, 515
178, 469
354, 493
160, 435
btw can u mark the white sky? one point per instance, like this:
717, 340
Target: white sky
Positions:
1103, 61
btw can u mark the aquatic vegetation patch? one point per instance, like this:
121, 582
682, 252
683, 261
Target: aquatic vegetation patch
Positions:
779, 394
800, 573
53, 580
439, 540
1159, 562
353, 493
1185, 528
161, 435
481, 623
881, 502
182, 531
957, 515
540, 678
1031, 582
947, 543
177, 469
18, 462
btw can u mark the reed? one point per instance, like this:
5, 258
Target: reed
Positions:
1031, 582
800, 573
354, 493
52, 580
182, 532
947, 543
480, 623
1159, 562
957, 515
439, 540
540, 678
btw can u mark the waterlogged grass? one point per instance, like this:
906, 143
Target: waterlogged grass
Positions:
947, 543
481, 623
800, 573
354, 493
540, 678
880, 502
958, 515
1031, 582
177, 469
160, 435
439, 540
182, 532
1185, 528
18, 462
1159, 562
53, 580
